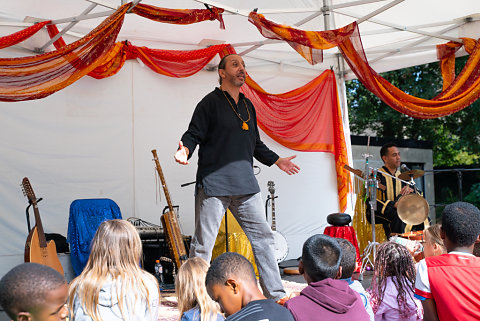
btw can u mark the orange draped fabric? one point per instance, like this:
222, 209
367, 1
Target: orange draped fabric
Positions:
446, 56
39, 76
462, 92
306, 119
309, 44
21, 35
178, 16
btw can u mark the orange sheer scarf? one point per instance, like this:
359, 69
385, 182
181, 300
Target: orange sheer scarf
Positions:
460, 93
306, 119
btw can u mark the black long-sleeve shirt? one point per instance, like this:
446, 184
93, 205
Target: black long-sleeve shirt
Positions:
225, 156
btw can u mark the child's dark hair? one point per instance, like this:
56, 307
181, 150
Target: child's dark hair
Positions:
349, 258
227, 265
25, 287
393, 260
461, 223
321, 257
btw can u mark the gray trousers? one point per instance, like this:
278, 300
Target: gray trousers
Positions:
248, 210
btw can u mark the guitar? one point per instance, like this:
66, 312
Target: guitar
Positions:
170, 222
37, 249
280, 242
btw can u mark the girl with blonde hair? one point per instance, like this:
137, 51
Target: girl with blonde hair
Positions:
112, 285
194, 303
433, 245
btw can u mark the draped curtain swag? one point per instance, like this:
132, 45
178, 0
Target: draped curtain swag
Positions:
306, 119
39, 76
179, 16
460, 93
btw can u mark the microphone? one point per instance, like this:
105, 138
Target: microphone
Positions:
404, 168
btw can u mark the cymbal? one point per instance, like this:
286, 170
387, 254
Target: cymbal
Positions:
412, 209
415, 173
359, 173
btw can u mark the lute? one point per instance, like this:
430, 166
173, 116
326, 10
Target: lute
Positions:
171, 226
37, 249
280, 242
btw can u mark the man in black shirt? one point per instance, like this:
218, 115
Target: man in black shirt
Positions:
224, 125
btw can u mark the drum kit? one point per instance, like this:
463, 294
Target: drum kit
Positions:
412, 208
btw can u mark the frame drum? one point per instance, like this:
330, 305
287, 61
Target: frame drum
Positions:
412, 209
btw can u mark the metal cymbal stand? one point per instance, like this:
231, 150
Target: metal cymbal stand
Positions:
371, 186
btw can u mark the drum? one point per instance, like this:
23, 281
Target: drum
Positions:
412, 209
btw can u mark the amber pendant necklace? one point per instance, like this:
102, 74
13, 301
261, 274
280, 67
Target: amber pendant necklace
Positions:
244, 122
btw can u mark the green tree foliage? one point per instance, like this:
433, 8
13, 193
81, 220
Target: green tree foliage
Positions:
456, 138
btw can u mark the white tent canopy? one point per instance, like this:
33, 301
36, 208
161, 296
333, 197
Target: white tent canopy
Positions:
93, 139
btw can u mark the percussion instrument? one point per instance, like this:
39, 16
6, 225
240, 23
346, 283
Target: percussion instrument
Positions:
412, 174
412, 209
339, 219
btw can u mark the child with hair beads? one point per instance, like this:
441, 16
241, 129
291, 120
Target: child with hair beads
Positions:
112, 285
392, 290
194, 303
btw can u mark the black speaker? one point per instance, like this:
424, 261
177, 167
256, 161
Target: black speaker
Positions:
154, 249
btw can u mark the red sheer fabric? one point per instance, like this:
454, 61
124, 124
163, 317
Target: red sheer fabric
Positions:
305, 119
347, 233
38, 76
462, 92
175, 63
179, 16
21, 35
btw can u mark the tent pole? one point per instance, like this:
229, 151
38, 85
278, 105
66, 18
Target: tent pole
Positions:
419, 41
84, 17
326, 15
106, 4
378, 11
402, 28
64, 30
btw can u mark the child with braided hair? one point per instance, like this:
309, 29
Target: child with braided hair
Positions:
392, 289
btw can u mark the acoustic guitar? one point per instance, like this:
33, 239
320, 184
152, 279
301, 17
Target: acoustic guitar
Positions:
171, 226
281, 245
37, 249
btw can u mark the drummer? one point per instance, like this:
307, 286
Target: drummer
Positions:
386, 213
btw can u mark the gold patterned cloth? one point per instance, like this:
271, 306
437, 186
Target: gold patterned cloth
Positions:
237, 240
362, 227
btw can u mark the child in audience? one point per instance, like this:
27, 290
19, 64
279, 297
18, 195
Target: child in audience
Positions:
348, 264
392, 289
34, 292
112, 285
433, 245
325, 298
231, 282
449, 284
194, 303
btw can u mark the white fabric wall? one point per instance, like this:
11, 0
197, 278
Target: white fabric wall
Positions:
94, 140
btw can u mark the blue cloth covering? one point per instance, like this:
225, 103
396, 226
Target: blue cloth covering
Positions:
86, 215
